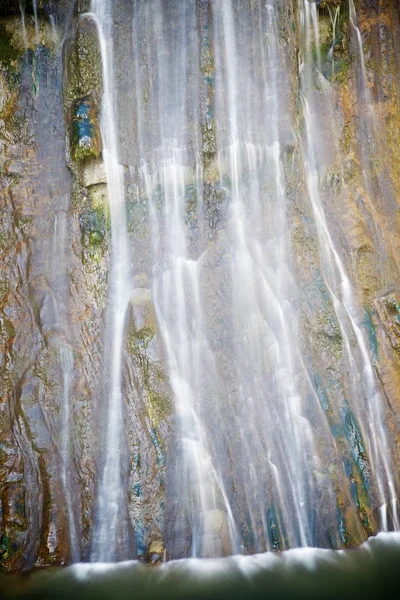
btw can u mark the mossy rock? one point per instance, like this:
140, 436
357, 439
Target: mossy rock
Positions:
7, 550
155, 551
96, 238
82, 91
85, 136
94, 226
83, 64
9, 54
151, 376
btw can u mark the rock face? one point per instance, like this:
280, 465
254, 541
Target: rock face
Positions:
55, 254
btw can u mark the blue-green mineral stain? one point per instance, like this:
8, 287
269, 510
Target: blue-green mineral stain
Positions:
342, 527
85, 135
273, 530
370, 327
358, 452
141, 531
322, 394
137, 489
159, 450
83, 125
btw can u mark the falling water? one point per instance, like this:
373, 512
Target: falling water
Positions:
67, 365
54, 30
267, 367
110, 531
67, 368
334, 16
24, 34
363, 382
35, 16
214, 145
353, 21
177, 271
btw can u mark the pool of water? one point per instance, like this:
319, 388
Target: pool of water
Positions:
371, 571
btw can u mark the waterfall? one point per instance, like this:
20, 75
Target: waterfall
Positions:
369, 403
268, 370
177, 273
109, 541
24, 34
200, 353
353, 21
66, 361
253, 427
35, 16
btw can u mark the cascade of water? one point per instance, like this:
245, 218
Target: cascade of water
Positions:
54, 31
353, 21
35, 16
364, 386
210, 157
334, 16
24, 34
177, 273
67, 365
272, 382
368, 126
110, 534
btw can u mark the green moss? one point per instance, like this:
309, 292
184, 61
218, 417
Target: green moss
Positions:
84, 72
341, 69
208, 134
95, 238
94, 224
6, 549
350, 175
394, 306
4, 288
7, 329
150, 373
346, 138
83, 80
9, 55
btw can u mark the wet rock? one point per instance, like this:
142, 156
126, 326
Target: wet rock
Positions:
388, 308
216, 200
93, 173
85, 138
15, 168
9, 53
215, 539
141, 297
155, 551
93, 225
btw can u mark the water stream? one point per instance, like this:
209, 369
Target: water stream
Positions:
110, 531
349, 315
252, 368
